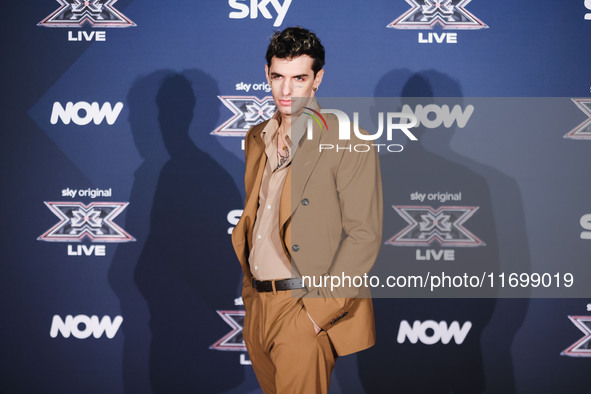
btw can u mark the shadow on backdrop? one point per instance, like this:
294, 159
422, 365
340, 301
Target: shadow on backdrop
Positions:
206, 116
482, 362
187, 268
143, 121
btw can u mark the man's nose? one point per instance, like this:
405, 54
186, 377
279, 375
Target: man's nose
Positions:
286, 89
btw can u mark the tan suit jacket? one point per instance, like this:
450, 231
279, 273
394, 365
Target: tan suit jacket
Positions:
330, 220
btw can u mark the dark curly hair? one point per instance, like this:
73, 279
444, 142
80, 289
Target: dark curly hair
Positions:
296, 41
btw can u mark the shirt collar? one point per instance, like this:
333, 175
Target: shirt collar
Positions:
295, 133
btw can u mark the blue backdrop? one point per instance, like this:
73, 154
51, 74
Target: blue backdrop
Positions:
131, 284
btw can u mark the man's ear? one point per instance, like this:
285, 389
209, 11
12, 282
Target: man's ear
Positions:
318, 78
267, 74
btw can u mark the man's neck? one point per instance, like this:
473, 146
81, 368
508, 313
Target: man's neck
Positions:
285, 125
285, 121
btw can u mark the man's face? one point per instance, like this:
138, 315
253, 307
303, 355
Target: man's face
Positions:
292, 78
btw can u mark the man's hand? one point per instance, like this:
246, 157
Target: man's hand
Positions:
316, 327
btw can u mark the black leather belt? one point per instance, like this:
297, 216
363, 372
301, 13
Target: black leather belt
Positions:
281, 284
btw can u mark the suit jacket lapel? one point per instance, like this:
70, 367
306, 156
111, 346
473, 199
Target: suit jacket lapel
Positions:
254, 177
304, 161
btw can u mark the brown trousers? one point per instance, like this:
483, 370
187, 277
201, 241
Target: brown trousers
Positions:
286, 354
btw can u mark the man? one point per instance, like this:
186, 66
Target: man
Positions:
308, 212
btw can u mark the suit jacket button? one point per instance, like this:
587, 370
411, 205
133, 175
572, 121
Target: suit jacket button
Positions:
305, 201
295, 247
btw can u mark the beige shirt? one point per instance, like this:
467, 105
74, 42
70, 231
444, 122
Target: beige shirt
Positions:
267, 259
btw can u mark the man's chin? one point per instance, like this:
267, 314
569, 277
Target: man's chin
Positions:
284, 111
291, 111
295, 109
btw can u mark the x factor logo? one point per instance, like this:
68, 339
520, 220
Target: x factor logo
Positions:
582, 131
97, 13
94, 221
248, 111
449, 14
426, 225
582, 347
233, 340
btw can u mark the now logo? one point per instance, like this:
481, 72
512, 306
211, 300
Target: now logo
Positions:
82, 113
588, 6
432, 115
82, 326
430, 332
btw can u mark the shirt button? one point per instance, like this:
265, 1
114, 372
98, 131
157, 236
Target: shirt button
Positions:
295, 247
256, 267
305, 201
269, 206
259, 236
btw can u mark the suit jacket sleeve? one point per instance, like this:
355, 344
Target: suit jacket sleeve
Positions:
239, 235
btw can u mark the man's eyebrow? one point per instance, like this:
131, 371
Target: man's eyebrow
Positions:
274, 74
